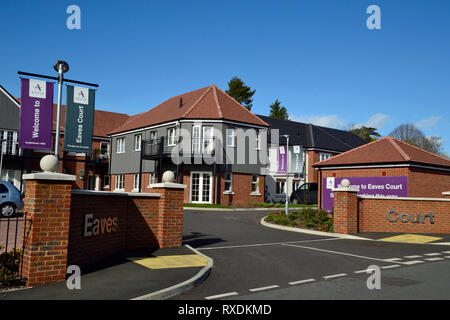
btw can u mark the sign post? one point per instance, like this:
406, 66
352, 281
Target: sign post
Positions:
45, 117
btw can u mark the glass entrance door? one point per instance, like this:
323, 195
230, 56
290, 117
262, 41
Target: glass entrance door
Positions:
201, 183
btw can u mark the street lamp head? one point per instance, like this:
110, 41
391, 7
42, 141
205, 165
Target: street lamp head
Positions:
65, 66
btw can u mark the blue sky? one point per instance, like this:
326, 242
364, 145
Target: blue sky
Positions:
316, 56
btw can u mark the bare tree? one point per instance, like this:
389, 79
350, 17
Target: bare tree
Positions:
409, 133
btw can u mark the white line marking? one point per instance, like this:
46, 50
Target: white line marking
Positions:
264, 244
264, 288
337, 252
334, 276
394, 259
413, 262
432, 254
390, 267
229, 294
434, 259
413, 257
448, 252
363, 271
301, 281
448, 257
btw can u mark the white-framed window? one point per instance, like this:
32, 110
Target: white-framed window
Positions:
228, 182
137, 142
171, 139
196, 139
120, 182
296, 185
153, 137
324, 156
257, 142
104, 149
255, 184
152, 178
208, 138
280, 187
106, 181
230, 137
136, 182
120, 145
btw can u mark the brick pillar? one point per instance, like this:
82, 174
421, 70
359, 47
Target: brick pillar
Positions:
47, 203
345, 211
170, 229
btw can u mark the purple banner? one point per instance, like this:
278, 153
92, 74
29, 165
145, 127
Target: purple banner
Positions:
282, 160
36, 115
367, 186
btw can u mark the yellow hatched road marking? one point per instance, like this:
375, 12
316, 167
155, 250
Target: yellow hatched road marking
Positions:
168, 262
411, 238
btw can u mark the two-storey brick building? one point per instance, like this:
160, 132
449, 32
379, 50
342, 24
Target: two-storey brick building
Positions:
226, 160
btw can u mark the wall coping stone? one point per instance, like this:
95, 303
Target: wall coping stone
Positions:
115, 193
404, 198
447, 193
168, 185
53, 176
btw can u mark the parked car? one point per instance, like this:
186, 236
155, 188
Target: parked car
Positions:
306, 194
10, 199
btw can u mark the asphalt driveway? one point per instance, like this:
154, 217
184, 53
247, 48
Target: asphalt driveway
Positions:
254, 261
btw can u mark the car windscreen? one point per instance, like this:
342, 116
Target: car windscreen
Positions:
3, 188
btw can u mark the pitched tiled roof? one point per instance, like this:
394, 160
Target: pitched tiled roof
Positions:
385, 151
206, 103
312, 136
104, 121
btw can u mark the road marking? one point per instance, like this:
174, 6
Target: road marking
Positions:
434, 259
448, 252
265, 244
334, 276
412, 257
391, 266
393, 259
264, 288
432, 254
223, 295
301, 281
337, 252
363, 271
175, 261
411, 238
448, 257
413, 262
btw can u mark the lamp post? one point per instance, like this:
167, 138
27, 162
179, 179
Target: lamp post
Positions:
287, 174
61, 67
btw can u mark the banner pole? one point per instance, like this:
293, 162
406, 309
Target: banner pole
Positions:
58, 110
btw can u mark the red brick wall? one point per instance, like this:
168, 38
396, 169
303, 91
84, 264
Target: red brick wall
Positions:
46, 231
370, 214
242, 188
421, 182
313, 157
138, 225
56, 239
345, 212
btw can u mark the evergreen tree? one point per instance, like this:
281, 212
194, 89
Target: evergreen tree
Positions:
240, 92
277, 111
367, 133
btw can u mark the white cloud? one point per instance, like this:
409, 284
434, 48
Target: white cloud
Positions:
334, 121
377, 121
428, 123
331, 121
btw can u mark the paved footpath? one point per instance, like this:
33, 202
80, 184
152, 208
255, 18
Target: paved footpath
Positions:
252, 262
148, 272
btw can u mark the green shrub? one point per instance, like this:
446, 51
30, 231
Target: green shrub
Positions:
9, 267
307, 218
